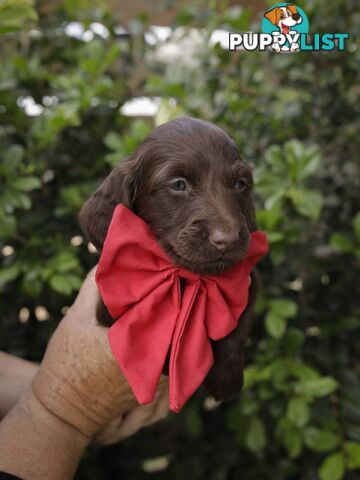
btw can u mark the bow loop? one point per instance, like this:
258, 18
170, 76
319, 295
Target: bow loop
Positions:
220, 320
142, 357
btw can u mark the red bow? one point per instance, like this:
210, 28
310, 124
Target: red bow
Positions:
141, 288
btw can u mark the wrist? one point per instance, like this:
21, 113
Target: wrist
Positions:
65, 402
36, 444
79, 380
33, 408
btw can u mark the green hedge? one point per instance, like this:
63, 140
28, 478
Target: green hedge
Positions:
296, 117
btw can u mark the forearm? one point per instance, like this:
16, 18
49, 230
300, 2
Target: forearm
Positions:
37, 445
16, 375
78, 392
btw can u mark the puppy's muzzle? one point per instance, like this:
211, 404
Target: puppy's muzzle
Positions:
223, 240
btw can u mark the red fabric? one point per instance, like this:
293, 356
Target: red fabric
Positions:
141, 288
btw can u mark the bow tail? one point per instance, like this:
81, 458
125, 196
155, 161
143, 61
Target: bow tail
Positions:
191, 352
141, 337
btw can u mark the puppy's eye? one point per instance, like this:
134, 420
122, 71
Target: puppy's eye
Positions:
241, 184
281, 15
179, 185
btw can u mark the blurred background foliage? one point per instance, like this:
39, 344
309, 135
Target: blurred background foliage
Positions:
296, 118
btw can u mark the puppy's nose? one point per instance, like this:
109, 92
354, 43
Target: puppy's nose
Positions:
223, 239
295, 16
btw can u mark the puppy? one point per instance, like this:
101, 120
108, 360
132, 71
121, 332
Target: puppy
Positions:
284, 18
188, 181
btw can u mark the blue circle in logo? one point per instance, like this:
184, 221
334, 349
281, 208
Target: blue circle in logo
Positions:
285, 17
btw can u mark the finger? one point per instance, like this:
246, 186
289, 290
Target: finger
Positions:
161, 409
163, 383
119, 429
87, 298
143, 415
110, 433
135, 420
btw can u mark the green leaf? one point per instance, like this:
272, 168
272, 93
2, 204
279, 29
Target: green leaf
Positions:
269, 219
238, 18
60, 284
275, 325
26, 184
248, 406
356, 226
236, 421
352, 452
333, 467
64, 262
341, 243
14, 14
280, 373
294, 340
74, 281
16, 199
293, 442
284, 307
307, 202
32, 287
312, 164
320, 440
7, 226
275, 237
13, 156
255, 438
319, 387
298, 412
273, 201
295, 158
72, 197
8, 274
274, 157
303, 371
252, 375
113, 141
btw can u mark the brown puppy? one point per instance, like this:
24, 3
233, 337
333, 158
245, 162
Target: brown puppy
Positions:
189, 183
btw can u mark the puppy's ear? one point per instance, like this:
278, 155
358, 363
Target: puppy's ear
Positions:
272, 15
248, 205
119, 187
249, 213
292, 8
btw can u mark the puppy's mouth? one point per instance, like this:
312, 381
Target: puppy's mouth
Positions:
213, 266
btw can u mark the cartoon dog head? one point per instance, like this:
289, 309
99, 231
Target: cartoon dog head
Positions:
284, 17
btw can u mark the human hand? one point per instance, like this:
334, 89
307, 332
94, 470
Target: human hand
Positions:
16, 375
80, 382
130, 423
78, 394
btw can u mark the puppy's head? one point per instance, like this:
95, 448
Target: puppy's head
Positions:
283, 16
189, 183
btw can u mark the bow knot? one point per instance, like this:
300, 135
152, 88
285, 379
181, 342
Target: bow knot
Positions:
187, 275
155, 315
